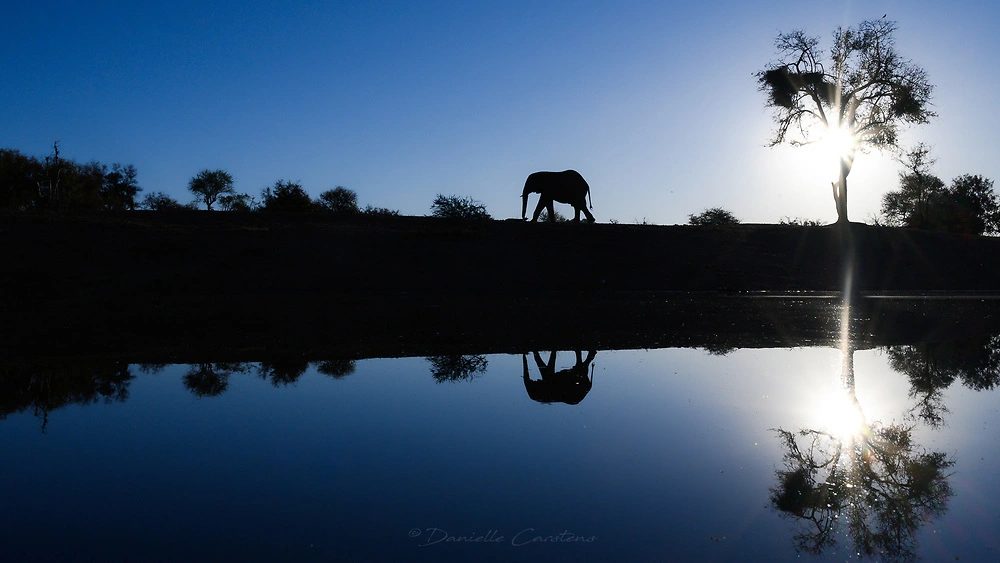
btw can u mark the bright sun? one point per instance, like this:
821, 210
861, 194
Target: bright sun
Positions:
836, 144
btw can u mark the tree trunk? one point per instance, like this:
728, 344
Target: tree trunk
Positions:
840, 193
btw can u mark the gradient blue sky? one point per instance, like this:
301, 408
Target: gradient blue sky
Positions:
655, 103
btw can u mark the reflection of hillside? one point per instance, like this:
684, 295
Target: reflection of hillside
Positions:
458, 323
933, 341
43, 388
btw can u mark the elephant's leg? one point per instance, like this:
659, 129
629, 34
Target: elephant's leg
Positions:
590, 216
576, 214
552, 212
539, 362
546, 371
539, 208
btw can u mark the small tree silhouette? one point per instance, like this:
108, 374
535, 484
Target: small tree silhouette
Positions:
208, 185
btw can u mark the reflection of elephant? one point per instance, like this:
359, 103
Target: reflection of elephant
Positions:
568, 386
567, 186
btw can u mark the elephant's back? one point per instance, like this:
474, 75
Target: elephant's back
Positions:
566, 177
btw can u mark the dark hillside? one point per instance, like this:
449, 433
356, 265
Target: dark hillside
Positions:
145, 254
164, 281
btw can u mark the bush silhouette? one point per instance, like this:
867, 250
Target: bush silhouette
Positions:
285, 196
339, 200
159, 201
713, 216
456, 207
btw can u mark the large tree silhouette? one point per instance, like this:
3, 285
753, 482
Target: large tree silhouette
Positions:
864, 90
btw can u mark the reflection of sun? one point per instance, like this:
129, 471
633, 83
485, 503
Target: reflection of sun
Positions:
838, 415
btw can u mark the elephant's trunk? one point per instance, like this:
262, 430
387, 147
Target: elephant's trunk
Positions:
524, 205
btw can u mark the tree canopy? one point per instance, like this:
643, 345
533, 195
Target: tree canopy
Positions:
923, 201
56, 183
208, 185
863, 91
285, 196
713, 216
339, 200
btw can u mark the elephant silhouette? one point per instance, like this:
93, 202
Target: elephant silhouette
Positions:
568, 386
567, 186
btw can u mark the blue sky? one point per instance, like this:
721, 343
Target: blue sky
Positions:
654, 103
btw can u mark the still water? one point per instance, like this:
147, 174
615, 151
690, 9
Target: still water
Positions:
631, 455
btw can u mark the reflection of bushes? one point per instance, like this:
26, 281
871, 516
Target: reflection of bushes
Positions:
45, 388
336, 368
283, 371
211, 380
456, 368
933, 367
975, 362
719, 349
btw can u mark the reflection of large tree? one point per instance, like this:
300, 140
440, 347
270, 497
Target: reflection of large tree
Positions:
881, 486
43, 388
874, 480
933, 367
